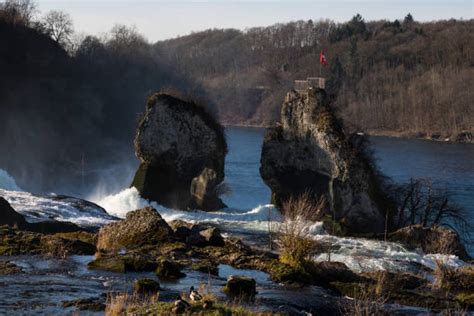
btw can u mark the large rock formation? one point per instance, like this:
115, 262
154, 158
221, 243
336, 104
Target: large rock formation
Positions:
141, 227
182, 151
309, 152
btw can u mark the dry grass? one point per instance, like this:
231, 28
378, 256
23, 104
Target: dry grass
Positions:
119, 303
294, 233
367, 300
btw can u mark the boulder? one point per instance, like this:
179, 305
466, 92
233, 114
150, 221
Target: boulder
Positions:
431, 240
181, 149
240, 286
10, 217
197, 234
309, 152
87, 304
122, 264
140, 227
169, 270
146, 286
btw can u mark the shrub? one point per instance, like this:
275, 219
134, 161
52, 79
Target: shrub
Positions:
294, 233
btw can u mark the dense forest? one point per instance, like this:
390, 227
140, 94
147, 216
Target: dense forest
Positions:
385, 76
65, 116
69, 104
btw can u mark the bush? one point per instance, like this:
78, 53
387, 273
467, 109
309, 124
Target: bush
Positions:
294, 233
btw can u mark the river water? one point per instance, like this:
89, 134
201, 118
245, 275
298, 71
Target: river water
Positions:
449, 165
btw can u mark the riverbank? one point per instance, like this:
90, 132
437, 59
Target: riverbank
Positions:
465, 137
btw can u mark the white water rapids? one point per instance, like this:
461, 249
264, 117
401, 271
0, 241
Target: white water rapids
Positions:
357, 253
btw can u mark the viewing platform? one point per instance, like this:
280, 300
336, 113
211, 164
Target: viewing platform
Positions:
302, 86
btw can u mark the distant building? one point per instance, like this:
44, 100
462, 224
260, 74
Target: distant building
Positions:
310, 83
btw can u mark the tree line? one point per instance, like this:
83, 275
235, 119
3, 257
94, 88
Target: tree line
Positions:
69, 103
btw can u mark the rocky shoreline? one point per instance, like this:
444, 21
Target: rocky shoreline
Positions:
169, 249
317, 174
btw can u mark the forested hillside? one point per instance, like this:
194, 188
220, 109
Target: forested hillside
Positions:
66, 117
386, 76
69, 105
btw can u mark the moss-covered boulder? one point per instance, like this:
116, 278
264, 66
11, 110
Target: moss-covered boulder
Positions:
132, 262
182, 149
240, 286
146, 286
431, 240
168, 269
112, 264
140, 227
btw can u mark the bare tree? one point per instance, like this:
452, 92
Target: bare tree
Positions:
18, 11
59, 26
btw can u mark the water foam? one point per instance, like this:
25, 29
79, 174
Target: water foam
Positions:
7, 182
41, 208
129, 199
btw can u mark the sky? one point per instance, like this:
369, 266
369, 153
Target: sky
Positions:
160, 20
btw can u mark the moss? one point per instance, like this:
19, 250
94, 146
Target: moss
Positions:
283, 273
466, 298
86, 237
333, 227
138, 263
217, 309
112, 264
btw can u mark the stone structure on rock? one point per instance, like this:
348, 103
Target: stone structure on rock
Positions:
309, 152
182, 151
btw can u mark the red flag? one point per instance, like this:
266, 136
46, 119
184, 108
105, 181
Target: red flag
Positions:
322, 59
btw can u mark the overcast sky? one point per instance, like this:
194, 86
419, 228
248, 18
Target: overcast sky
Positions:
159, 20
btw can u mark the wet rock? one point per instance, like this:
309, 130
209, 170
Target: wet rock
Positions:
207, 237
90, 304
465, 137
169, 270
59, 247
10, 217
309, 152
206, 266
112, 264
431, 240
240, 286
121, 264
146, 286
140, 227
182, 151
7, 267
323, 273
197, 234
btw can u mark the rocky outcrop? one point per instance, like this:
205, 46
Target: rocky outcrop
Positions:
10, 217
240, 286
182, 151
309, 152
431, 240
141, 227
